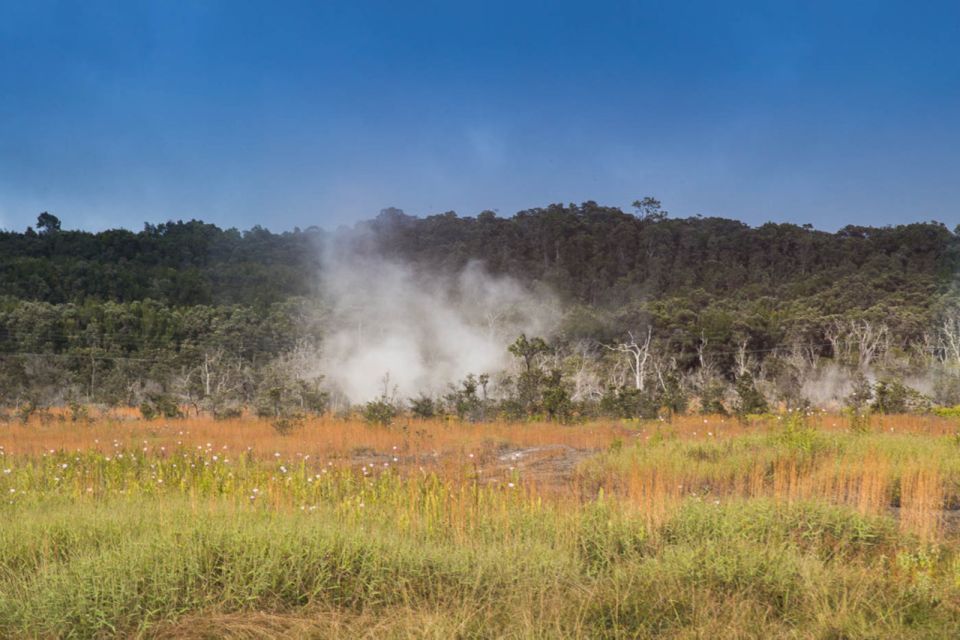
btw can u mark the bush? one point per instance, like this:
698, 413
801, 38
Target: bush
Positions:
895, 397
159, 405
285, 425
380, 411
711, 399
628, 402
750, 400
423, 407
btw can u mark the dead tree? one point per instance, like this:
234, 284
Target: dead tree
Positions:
949, 337
859, 340
742, 358
636, 354
582, 366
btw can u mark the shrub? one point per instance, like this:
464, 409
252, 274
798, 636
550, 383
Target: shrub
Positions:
380, 411
895, 397
423, 407
285, 425
160, 405
749, 398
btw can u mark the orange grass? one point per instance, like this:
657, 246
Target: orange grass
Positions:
333, 437
868, 481
321, 436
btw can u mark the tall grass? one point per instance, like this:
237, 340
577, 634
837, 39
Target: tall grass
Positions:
142, 567
913, 476
801, 530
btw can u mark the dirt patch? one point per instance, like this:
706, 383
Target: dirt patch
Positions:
544, 465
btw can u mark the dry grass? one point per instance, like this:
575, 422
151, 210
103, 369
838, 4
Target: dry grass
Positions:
703, 527
332, 437
324, 436
904, 466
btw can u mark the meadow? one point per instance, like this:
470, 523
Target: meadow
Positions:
793, 526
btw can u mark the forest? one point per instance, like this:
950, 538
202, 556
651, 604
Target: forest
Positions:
656, 315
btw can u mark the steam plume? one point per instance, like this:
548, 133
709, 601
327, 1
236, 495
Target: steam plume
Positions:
423, 329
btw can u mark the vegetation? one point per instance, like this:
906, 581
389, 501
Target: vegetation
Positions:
174, 464
734, 318
167, 530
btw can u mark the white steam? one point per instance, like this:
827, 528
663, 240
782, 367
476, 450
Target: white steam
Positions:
423, 330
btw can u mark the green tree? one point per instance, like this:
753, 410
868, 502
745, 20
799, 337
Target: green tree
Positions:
750, 400
48, 223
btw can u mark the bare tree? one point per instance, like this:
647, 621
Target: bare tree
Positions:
586, 381
862, 341
663, 366
949, 337
742, 358
930, 350
636, 354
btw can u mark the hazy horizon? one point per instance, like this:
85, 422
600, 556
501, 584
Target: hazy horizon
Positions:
351, 225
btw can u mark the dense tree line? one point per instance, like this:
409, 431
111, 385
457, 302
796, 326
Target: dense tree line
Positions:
593, 255
718, 310
175, 263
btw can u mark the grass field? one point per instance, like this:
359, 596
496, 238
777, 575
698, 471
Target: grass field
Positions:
781, 526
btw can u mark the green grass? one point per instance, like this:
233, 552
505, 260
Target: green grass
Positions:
126, 568
100, 548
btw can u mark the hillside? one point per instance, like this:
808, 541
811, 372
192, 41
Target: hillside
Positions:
79, 310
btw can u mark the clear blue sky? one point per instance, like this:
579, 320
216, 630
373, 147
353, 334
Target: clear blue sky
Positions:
300, 113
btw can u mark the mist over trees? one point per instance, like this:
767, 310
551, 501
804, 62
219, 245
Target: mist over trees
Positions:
659, 315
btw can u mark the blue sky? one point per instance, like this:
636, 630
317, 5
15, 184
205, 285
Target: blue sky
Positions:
298, 113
